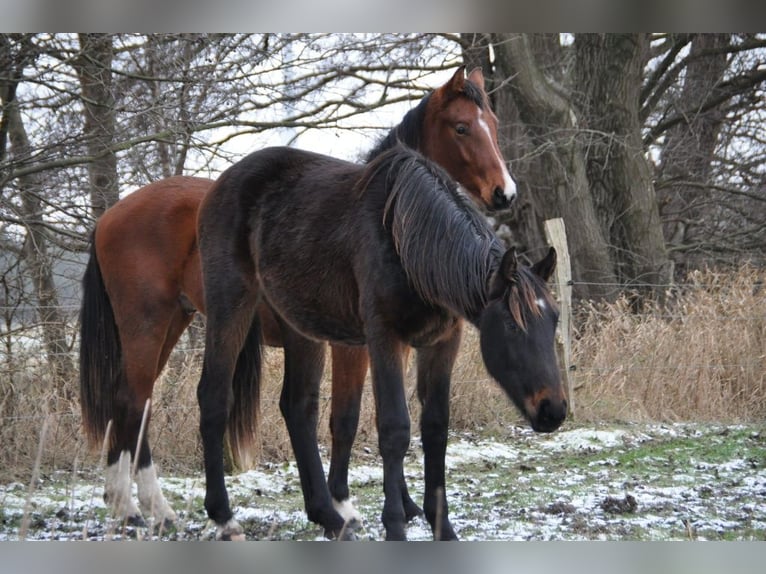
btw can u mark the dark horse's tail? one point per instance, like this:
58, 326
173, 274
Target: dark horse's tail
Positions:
246, 391
101, 368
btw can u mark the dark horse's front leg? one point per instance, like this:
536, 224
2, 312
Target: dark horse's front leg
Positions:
393, 427
349, 369
434, 373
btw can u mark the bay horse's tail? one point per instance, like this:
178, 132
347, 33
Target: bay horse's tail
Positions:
246, 392
101, 370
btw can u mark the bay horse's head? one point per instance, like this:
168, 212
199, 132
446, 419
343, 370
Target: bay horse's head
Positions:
460, 134
517, 340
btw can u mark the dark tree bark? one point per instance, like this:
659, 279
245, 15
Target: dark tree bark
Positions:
552, 170
689, 151
36, 246
608, 77
94, 68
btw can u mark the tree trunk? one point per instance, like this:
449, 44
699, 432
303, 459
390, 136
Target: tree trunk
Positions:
94, 68
608, 76
552, 174
35, 250
688, 152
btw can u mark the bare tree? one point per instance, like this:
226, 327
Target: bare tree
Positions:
94, 68
17, 53
584, 118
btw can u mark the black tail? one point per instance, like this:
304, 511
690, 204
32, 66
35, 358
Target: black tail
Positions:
100, 353
246, 393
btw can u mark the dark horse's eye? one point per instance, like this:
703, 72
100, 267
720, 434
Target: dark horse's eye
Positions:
461, 129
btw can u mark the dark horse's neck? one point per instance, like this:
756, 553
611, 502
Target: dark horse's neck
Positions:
407, 132
447, 248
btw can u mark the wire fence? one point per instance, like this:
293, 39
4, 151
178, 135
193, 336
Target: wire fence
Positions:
699, 355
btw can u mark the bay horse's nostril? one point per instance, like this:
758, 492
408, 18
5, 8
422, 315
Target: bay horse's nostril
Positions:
499, 199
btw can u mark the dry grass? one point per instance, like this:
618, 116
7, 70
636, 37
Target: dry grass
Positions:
701, 356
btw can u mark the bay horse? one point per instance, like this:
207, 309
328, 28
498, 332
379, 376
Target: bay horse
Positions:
143, 285
389, 255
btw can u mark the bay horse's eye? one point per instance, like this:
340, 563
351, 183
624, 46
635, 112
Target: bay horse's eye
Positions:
461, 129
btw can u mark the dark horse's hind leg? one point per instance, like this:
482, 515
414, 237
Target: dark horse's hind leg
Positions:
229, 319
299, 403
349, 369
434, 372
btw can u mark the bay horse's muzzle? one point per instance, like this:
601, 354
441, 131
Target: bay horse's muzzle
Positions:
500, 200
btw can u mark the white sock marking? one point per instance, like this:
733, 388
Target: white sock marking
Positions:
117, 488
150, 496
346, 509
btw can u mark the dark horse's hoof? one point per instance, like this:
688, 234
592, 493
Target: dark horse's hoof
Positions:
346, 533
136, 521
411, 510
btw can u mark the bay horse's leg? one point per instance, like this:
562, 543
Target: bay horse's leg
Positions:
150, 498
299, 404
146, 346
393, 421
349, 369
230, 314
434, 373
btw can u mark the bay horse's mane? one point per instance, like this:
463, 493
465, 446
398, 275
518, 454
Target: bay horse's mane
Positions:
409, 130
447, 247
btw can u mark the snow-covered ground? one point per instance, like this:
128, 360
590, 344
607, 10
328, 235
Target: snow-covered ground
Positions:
630, 482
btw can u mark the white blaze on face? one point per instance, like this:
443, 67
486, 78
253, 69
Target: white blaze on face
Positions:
509, 186
541, 304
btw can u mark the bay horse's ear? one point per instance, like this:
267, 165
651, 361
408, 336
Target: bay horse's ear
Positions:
545, 267
457, 83
477, 77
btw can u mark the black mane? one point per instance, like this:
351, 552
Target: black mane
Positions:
447, 248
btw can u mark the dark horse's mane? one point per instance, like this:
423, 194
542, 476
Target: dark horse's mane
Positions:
447, 248
409, 129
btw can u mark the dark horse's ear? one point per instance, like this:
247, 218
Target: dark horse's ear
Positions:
504, 275
477, 77
457, 83
545, 267
508, 265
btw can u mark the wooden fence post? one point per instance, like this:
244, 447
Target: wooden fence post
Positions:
557, 237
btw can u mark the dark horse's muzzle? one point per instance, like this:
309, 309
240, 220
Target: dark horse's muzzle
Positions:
549, 415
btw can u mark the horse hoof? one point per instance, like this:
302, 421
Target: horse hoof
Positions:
347, 533
230, 532
395, 534
136, 521
447, 534
411, 510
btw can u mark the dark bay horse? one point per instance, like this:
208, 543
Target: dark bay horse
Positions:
143, 286
387, 255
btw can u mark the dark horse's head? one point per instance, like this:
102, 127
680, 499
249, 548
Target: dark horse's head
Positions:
517, 340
